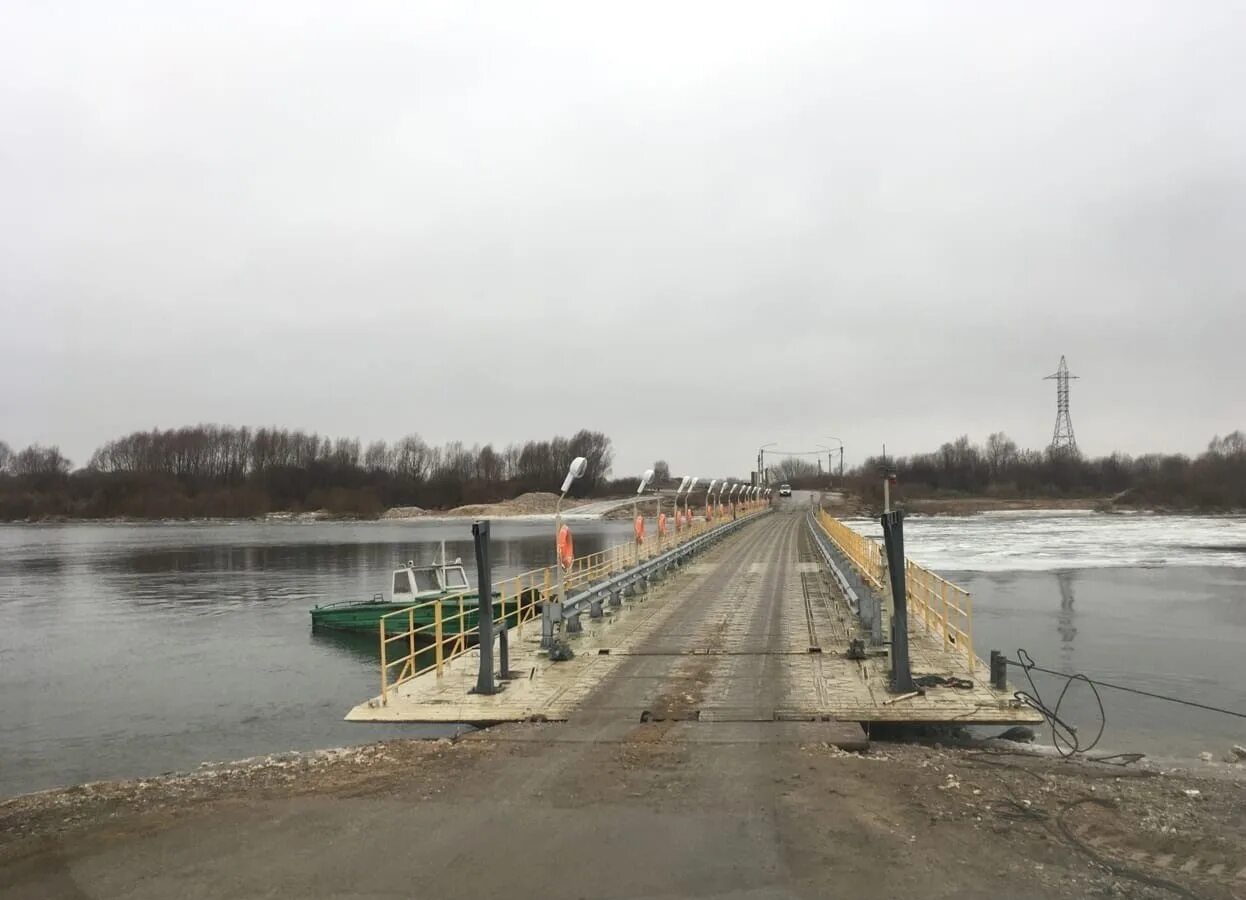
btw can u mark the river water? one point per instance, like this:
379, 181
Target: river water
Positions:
139, 649
1156, 603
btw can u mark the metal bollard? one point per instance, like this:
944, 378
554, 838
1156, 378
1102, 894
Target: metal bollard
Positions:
572, 623
594, 608
616, 599
999, 671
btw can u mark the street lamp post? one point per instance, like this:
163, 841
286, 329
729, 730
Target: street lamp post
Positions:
640, 489
841, 457
761, 461
551, 634
889, 478
683, 483
709, 500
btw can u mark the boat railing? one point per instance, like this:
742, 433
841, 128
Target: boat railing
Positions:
410, 649
943, 608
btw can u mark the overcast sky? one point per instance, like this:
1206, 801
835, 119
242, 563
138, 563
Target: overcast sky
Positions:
696, 228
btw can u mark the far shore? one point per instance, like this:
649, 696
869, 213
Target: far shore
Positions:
540, 508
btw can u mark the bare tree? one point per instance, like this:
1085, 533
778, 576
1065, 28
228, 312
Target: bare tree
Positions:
1232, 444
596, 448
39, 460
412, 458
1001, 452
792, 468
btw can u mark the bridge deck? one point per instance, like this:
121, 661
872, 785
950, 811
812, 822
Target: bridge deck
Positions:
727, 639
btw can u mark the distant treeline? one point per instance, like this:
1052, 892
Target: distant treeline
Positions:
211, 470
1213, 480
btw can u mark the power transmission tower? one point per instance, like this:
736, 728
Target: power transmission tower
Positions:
1062, 440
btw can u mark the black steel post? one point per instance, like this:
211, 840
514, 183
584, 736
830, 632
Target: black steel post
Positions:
504, 653
999, 671
893, 537
484, 608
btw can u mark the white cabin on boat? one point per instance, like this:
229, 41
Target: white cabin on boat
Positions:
413, 583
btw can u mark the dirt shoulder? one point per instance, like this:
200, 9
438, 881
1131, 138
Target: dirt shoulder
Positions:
981, 820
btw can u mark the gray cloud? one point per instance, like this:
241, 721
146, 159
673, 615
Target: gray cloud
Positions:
697, 229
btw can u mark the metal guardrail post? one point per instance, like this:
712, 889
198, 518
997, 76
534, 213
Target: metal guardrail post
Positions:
384, 666
893, 536
547, 613
504, 652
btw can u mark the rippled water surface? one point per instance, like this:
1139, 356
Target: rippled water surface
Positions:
138, 649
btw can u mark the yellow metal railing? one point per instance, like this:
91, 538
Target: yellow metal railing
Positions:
943, 608
425, 637
946, 609
865, 554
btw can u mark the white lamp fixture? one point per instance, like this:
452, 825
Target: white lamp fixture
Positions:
578, 466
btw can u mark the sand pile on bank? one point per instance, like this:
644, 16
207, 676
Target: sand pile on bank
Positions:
534, 503
403, 512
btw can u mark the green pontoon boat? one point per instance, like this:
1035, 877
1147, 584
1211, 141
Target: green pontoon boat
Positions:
410, 586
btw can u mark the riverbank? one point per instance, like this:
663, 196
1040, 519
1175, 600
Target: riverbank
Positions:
979, 820
542, 505
533, 503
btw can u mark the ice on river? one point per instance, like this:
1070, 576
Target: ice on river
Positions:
1053, 540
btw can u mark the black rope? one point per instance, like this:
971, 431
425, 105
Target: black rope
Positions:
951, 681
1063, 734
1120, 687
1118, 869
1061, 731
1015, 809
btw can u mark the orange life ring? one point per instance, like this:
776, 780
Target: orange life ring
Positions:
639, 527
662, 523
566, 547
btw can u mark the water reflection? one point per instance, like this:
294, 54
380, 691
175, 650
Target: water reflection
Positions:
363, 647
1065, 619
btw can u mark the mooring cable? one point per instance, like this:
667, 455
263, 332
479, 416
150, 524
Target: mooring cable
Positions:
1120, 687
1062, 731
